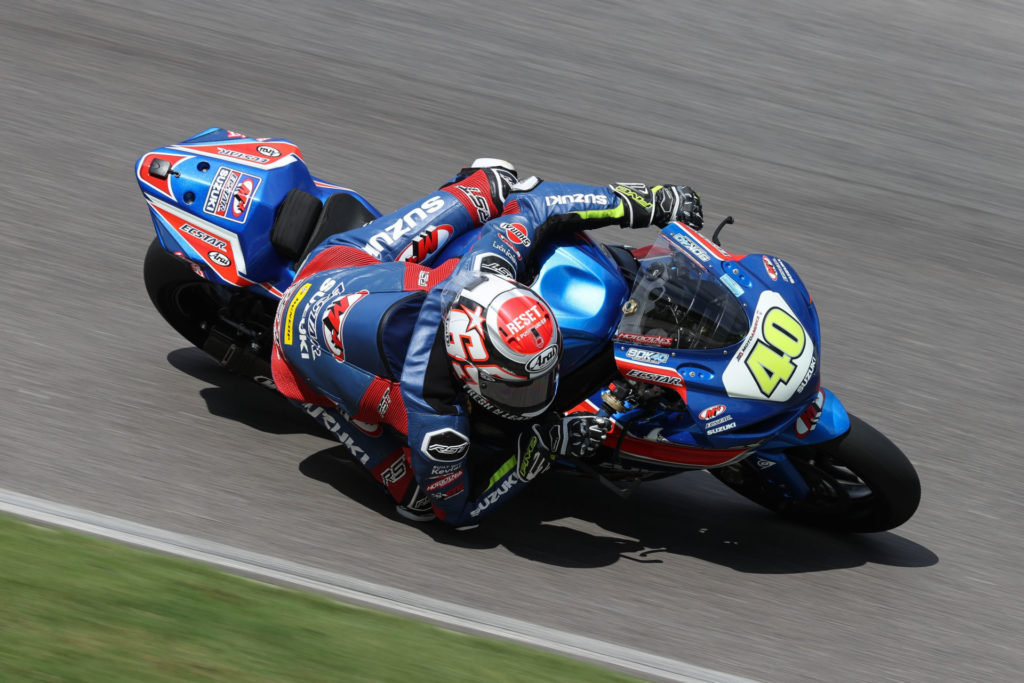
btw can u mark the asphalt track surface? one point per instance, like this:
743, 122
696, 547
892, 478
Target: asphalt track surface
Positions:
875, 145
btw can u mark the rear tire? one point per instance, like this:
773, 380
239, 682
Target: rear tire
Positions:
860, 482
185, 300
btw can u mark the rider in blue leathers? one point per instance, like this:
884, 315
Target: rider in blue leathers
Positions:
401, 356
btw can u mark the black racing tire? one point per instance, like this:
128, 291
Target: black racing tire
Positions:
185, 300
860, 482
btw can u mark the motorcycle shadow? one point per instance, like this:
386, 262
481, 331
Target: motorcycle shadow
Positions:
240, 399
572, 522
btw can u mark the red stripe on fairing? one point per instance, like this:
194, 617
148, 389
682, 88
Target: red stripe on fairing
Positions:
228, 272
163, 186
716, 251
672, 454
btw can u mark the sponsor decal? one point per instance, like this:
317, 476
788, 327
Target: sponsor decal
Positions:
720, 428
645, 376
711, 412
268, 151
214, 242
385, 403
334, 426
309, 345
412, 220
691, 246
476, 197
492, 263
808, 419
769, 268
515, 234
764, 464
646, 339
234, 153
426, 243
783, 270
578, 198
492, 497
543, 360
733, 286
439, 470
450, 493
334, 320
441, 482
218, 259
444, 445
394, 473
423, 278
230, 194
646, 356
242, 198
525, 324
233, 134
625, 190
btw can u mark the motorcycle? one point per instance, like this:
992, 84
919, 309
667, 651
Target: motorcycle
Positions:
703, 359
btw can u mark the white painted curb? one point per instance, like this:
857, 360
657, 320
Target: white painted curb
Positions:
358, 591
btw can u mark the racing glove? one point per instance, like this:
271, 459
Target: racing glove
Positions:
575, 436
659, 205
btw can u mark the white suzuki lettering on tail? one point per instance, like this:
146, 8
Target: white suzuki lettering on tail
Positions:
412, 220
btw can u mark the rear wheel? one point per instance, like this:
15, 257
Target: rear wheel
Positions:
860, 482
231, 324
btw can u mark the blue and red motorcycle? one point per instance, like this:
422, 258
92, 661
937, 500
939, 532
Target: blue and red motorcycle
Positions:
704, 359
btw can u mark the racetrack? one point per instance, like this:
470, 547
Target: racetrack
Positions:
876, 146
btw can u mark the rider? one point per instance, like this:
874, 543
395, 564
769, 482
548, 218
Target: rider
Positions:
404, 358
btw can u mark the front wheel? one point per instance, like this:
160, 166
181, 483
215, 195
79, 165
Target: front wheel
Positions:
860, 482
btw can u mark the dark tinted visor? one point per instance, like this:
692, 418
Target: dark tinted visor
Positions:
532, 394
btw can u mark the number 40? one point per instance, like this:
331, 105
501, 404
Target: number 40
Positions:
772, 362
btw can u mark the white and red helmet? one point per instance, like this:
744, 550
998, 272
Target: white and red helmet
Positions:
504, 345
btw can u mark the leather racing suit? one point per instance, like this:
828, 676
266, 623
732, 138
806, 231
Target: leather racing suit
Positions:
359, 339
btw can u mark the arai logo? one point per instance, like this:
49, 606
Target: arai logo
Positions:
711, 412
770, 268
543, 360
219, 259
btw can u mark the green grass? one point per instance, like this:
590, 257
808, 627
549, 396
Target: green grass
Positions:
75, 608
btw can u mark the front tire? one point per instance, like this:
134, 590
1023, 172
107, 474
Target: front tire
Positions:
859, 482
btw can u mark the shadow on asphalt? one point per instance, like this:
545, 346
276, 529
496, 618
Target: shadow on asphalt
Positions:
569, 521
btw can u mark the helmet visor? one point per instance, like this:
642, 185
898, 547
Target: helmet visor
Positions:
533, 394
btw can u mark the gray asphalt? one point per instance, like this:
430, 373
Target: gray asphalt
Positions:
875, 145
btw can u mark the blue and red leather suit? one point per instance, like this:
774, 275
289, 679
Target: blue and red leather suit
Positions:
359, 337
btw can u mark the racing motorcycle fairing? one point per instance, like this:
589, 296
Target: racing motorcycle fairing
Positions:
213, 200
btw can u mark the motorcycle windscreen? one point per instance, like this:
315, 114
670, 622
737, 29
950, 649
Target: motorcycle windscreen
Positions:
680, 305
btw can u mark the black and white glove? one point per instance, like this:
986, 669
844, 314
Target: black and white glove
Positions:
659, 205
574, 436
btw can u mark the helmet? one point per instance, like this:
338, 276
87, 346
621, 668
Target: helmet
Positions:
504, 345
